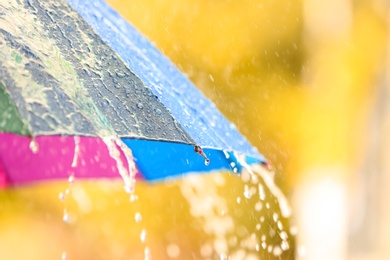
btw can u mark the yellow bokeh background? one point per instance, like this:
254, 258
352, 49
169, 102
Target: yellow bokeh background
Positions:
302, 96
302, 100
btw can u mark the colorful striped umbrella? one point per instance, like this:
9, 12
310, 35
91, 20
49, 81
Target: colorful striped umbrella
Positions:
84, 94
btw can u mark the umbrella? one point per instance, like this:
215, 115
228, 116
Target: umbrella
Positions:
85, 94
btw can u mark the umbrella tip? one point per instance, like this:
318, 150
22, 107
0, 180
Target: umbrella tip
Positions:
199, 151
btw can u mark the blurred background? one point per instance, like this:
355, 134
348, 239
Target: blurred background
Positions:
306, 81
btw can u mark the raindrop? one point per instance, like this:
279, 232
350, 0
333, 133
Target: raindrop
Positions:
280, 225
71, 178
138, 217
293, 230
66, 217
238, 200
129, 188
133, 197
143, 236
285, 246
267, 205
64, 256
245, 176
247, 193
223, 256
275, 216
258, 206
261, 192
258, 226
232, 164
173, 250
277, 251
283, 235
61, 196
147, 253
67, 191
257, 247
34, 146
140, 105
235, 170
206, 251
119, 74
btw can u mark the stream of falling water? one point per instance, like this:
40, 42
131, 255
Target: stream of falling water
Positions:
214, 212
207, 204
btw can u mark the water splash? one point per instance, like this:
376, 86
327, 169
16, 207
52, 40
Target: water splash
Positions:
269, 181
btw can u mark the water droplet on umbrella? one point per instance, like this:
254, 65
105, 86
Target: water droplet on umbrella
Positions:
238, 200
207, 161
34, 146
67, 191
138, 217
158, 111
258, 226
227, 155
140, 105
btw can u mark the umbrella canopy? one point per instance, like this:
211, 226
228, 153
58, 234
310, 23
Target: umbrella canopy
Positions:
83, 93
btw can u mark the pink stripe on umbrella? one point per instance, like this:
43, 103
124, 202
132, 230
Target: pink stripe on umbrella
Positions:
53, 159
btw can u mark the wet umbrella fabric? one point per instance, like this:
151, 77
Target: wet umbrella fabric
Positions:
80, 87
